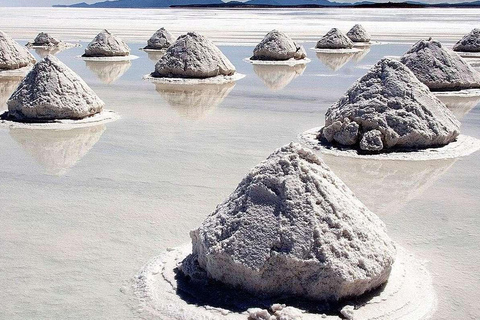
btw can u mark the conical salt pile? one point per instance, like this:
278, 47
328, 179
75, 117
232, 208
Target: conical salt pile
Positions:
439, 68
161, 39
358, 34
334, 39
51, 91
278, 46
12, 55
44, 39
292, 228
469, 43
193, 56
389, 108
106, 44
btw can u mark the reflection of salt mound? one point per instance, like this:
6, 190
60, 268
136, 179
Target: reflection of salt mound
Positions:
358, 34
278, 46
12, 55
278, 77
58, 150
52, 91
106, 44
389, 108
194, 101
439, 68
155, 56
459, 106
161, 39
469, 43
193, 56
7, 86
43, 52
292, 228
108, 71
335, 61
334, 39
358, 56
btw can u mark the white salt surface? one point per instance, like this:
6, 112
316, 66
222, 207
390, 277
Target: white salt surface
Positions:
63, 124
352, 50
115, 58
408, 295
459, 93
289, 62
61, 46
21, 72
153, 50
191, 81
463, 146
468, 54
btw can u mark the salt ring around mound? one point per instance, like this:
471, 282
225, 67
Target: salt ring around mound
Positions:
351, 50
20, 72
114, 58
290, 62
153, 50
63, 124
459, 93
463, 146
465, 54
60, 46
408, 294
220, 79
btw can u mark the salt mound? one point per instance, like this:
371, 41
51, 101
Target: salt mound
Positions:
334, 39
439, 68
292, 228
469, 43
358, 34
106, 44
193, 56
278, 46
389, 108
161, 39
12, 55
50, 91
44, 39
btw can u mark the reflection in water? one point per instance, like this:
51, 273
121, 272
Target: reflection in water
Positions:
335, 61
460, 106
7, 86
43, 52
358, 56
386, 186
57, 150
108, 71
194, 101
156, 55
277, 77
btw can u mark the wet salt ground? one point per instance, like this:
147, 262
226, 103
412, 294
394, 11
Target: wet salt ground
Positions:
83, 211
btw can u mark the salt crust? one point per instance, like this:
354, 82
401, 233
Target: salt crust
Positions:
463, 146
115, 58
21, 72
337, 50
153, 50
61, 45
459, 93
105, 116
468, 54
289, 62
212, 80
408, 295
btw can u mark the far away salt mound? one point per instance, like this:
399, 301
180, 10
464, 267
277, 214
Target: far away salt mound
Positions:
276, 45
160, 40
389, 108
334, 39
469, 43
358, 34
105, 44
292, 228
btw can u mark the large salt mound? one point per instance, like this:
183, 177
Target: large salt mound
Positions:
193, 56
334, 39
469, 43
12, 55
292, 228
439, 68
161, 39
106, 44
44, 39
358, 34
389, 108
51, 91
278, 46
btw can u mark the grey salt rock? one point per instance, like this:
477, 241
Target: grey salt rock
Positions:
51, 91
469, 43
106, 44
391, 101
13, 55
278, 46
44, 39
334, 39
160, 40
358, 34
193, 56
439, 68
293, 228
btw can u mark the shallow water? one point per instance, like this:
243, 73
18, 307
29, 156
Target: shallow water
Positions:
82, 211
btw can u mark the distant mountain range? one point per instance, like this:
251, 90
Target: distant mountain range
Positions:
263, 4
